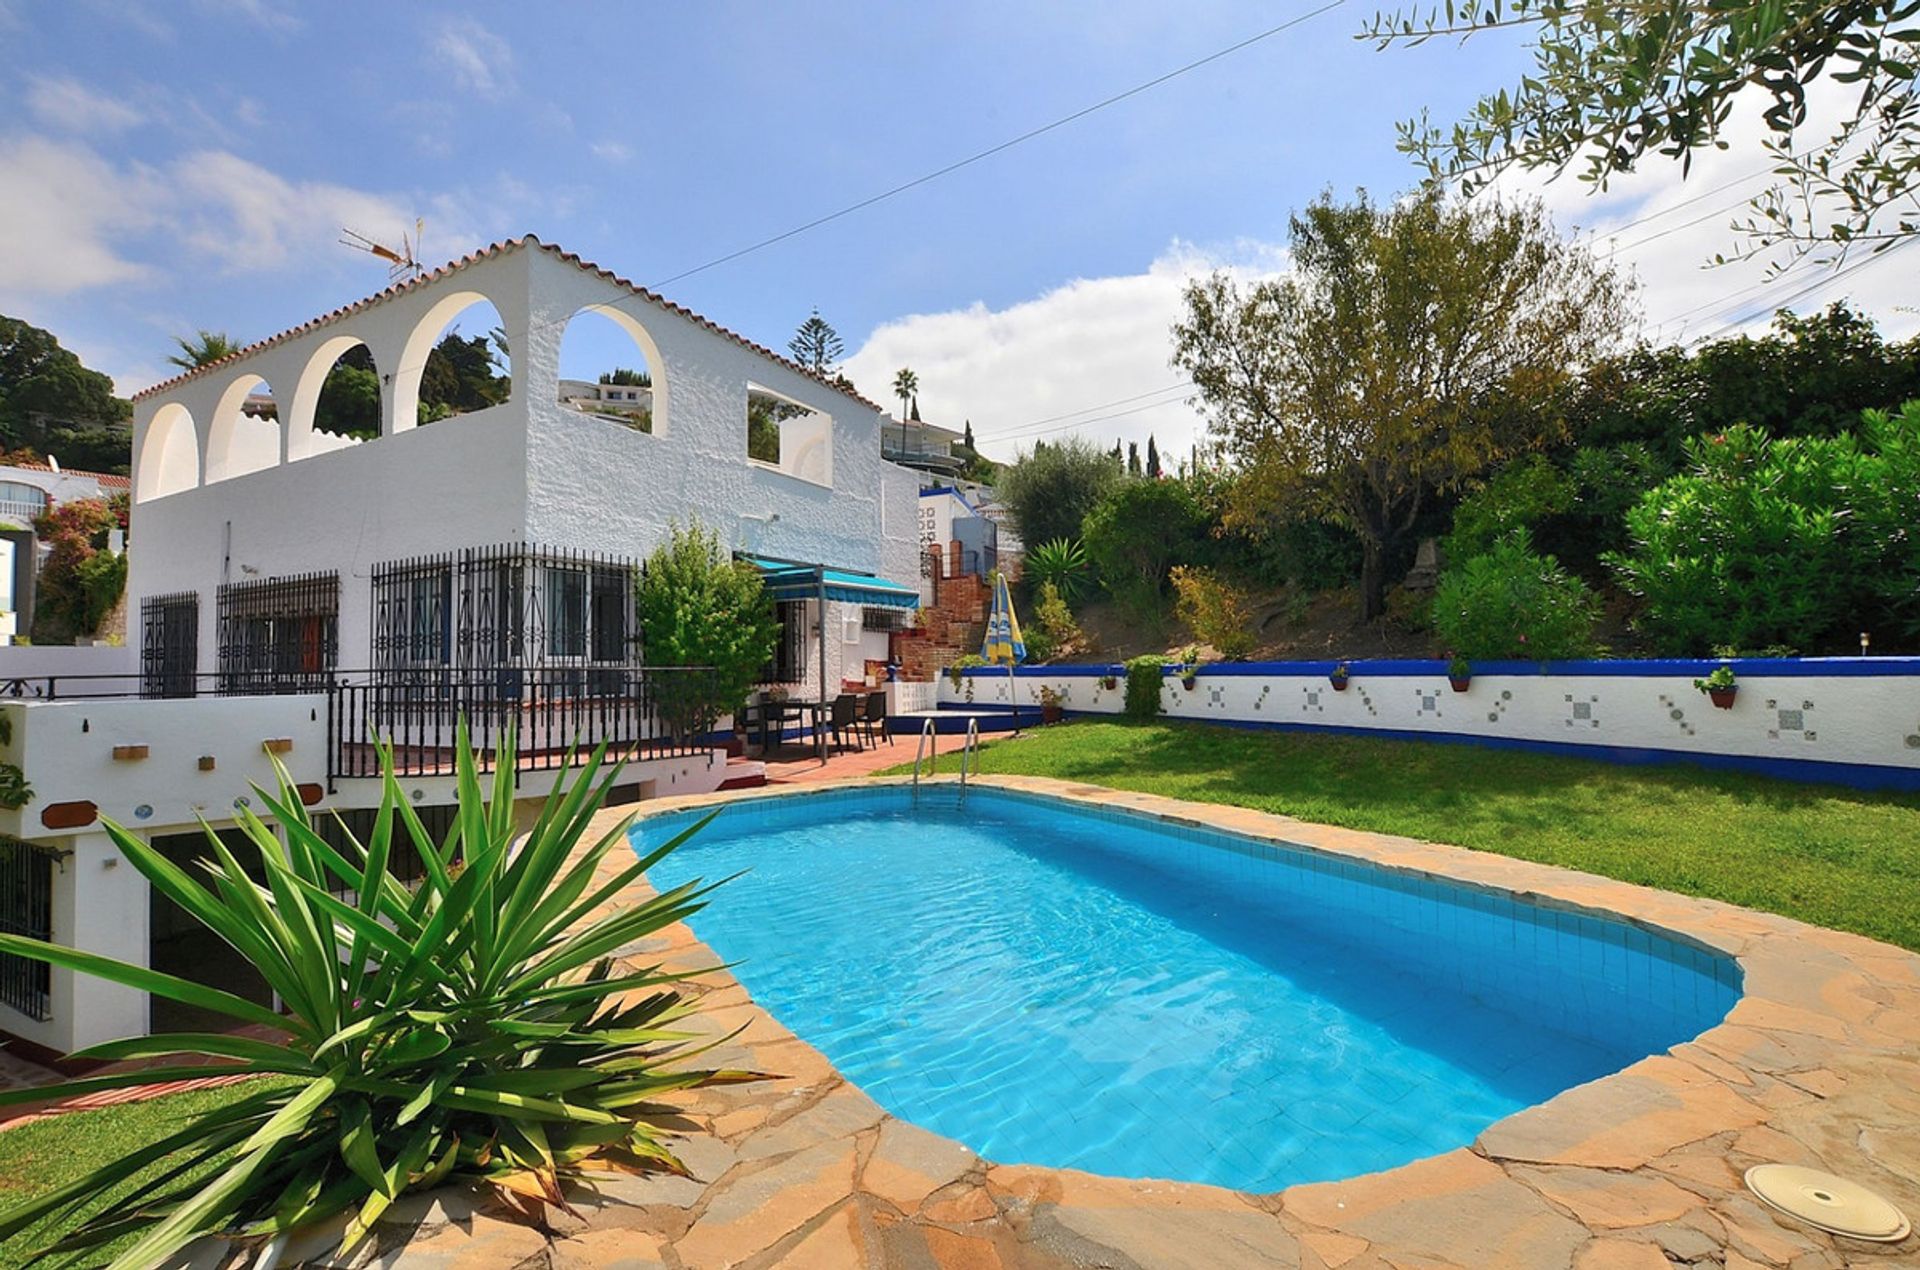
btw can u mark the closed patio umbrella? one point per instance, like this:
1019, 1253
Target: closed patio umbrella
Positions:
1003, 645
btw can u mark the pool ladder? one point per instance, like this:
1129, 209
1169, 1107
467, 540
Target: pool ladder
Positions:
929, 748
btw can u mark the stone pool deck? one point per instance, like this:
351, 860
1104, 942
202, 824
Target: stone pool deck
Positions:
1818, 1064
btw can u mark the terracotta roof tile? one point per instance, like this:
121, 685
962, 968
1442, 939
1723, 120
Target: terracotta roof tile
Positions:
106, 479
486, 253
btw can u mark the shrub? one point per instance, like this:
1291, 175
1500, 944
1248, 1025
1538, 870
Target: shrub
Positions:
1051, 490
478, 1028
77, 587
1511, 603
1518, 496
1143, 685
1061, 564
1053, 625
1138, 531
1214, 610
1756, 543
700, 607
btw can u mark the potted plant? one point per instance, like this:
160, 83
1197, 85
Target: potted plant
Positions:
1459, 673
1052, 704
1110, 680
1720, 687
1190, 667
1339, 675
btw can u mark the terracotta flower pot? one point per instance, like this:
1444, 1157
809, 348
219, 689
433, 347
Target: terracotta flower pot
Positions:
1460, 682
1189, 682
1052, 714
1109, 683
1722, 698
1339, 682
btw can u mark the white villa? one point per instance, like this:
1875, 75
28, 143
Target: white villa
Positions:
294, 589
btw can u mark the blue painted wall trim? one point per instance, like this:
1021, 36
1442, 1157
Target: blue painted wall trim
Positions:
1870, 776
1757, 667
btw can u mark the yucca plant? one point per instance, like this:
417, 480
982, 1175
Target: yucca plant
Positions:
475, 1027
1063, 562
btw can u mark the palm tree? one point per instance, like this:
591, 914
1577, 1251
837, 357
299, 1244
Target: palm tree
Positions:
204, 349
906, 386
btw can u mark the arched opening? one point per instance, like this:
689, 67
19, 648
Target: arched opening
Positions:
455, 362
610, 368
169, 454
245, 433
786, 434
337, 401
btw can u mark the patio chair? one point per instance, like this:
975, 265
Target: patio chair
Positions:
873, 721
843, 719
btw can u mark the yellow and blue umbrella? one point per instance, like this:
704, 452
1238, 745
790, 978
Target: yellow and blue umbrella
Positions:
1003, 645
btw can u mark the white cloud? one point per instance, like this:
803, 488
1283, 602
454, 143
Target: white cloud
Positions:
1094, 349
66, 212
612, 151
71, 106
479, 60
76, 221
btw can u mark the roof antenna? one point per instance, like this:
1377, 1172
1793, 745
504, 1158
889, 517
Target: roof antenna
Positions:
401, 264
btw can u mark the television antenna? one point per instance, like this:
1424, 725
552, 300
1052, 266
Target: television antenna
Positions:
401, 263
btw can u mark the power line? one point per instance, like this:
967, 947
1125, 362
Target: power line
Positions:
1118, 401
1008, 144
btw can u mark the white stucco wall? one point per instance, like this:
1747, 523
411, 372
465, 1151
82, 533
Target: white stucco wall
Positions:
1813, 720
65, 750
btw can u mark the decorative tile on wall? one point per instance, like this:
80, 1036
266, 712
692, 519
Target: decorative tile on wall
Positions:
1261, 700
1789, 719
1500, 706
1675, 713
1310, 700
1580, 713
1429, 702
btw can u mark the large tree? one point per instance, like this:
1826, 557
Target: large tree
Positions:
1615, 83
52, 404
1409, 349
1051, 490
816, 345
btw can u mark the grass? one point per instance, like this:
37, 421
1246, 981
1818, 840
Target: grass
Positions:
1823, 854
42, 1154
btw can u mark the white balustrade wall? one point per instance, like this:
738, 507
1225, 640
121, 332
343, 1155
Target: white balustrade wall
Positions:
1849, 720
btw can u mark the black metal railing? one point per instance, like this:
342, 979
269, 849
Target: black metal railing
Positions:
26, 908
637, 712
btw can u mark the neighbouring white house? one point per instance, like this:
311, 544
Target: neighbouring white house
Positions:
925, 447
952, 516
294, 590
27, 491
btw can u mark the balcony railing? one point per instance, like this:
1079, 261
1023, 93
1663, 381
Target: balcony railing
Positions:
636, 711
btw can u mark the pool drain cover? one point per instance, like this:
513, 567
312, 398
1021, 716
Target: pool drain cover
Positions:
1832, 1203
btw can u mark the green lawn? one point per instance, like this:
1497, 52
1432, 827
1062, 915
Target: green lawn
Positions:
42, 1154
1827, 855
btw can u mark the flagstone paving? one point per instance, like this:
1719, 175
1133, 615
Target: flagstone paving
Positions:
1818, 1064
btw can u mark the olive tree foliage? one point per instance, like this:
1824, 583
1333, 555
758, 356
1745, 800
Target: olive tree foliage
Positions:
1410, 348
1613, 83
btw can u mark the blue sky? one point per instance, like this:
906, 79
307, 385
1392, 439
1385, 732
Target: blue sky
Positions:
187, 165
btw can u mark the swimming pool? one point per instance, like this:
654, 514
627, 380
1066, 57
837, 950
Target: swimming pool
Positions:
1056, 984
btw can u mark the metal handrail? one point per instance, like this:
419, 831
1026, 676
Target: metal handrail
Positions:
926, 733
969, 750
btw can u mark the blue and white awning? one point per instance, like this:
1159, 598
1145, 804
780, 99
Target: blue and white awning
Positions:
787, 580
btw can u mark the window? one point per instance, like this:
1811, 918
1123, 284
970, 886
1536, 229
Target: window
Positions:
566, 612
412, 616
612, 614
26, 908
21, 502
279, 634
169, 644
789, 655
885, 619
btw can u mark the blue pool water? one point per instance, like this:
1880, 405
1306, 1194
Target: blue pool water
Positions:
1090, 989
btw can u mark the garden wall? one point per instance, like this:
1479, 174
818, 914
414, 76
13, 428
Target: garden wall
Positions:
1849, 720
